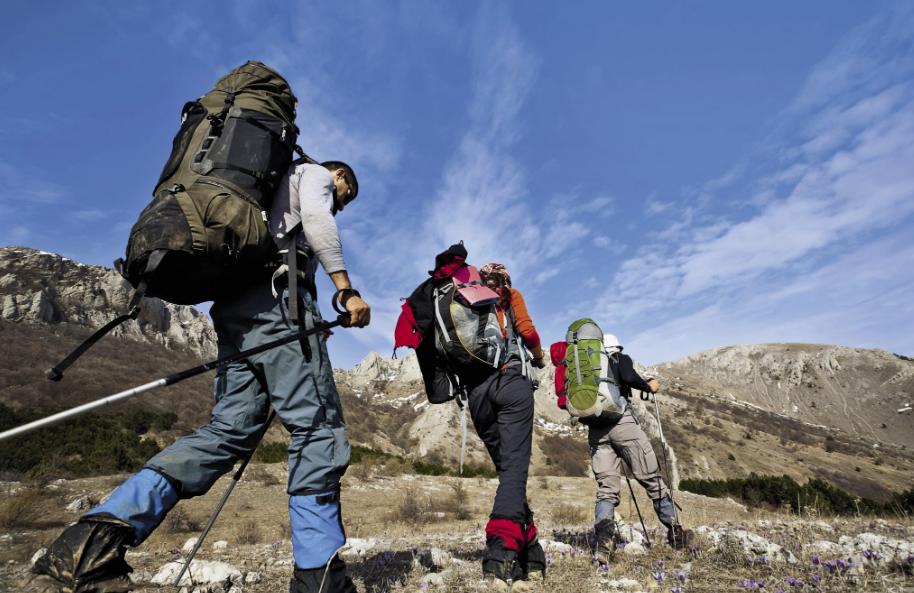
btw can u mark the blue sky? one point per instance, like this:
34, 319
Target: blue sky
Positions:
691, 175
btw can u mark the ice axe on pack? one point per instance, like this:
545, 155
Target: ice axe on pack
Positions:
173, 378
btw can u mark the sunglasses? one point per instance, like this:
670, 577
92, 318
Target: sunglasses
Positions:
349, 195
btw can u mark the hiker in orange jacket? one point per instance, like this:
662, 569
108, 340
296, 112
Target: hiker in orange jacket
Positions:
502, 412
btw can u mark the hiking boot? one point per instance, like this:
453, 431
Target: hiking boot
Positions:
604, 549
679, 538
329, 578
500, 566
532, 560
88, 557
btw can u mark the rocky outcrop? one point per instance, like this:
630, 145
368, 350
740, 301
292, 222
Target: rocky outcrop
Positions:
41, 287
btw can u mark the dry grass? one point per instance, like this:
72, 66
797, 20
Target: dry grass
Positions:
21, 509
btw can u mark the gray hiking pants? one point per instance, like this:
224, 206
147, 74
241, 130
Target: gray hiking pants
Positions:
623, 440
502, 412
302, 393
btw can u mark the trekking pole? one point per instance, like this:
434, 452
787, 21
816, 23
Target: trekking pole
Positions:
666, 461
637, 508
169, 380
235, 479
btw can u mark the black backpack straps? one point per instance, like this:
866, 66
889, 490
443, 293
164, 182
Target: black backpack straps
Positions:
55, 373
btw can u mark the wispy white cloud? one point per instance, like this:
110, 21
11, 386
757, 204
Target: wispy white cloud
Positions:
841, 178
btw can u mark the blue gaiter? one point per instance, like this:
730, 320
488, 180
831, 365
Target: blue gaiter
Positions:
317, 530
142, 501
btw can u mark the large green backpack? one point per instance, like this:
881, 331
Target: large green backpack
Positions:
207, 224
592, 388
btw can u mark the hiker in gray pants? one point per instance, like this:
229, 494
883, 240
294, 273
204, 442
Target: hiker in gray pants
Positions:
296, 379
616, 437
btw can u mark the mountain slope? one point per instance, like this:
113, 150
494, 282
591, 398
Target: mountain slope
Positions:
856, 390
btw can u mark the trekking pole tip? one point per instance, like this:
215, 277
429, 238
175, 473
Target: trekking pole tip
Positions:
53, 374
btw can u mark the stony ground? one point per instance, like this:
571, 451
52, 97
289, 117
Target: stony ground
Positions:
425, 533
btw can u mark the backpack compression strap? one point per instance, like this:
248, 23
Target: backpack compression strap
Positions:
55, 373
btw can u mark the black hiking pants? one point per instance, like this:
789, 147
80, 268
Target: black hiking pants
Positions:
502, 411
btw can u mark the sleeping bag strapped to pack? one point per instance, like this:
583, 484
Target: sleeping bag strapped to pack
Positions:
207, 223
591, 386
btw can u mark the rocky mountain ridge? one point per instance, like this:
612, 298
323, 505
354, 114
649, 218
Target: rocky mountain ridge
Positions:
40, 287
856, 390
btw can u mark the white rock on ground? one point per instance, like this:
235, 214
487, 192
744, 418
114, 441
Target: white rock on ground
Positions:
189, 545
433, 559
200, 572
620, 584
629, 534
633, 549
80, 504
356, 547
252, 577
220, 545
553, 546
434, 578
751, 543
38, 555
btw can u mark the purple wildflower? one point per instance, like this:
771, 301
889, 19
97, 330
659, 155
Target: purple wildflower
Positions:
817, 578
794, 582
764, 559
750, 559
423, 585
910, 559
658, 576
815, 560
676, 590
604, 567
831, 565
681, 575
621, 545
778, 591
659, 564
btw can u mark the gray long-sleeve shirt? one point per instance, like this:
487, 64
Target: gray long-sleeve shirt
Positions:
306, 194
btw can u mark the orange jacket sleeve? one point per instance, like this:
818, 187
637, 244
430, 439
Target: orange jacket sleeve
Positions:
524, 323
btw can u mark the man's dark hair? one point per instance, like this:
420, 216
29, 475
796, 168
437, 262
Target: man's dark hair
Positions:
350, 174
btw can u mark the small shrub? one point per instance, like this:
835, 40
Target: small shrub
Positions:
21, 509
272, 452
415, 508
731, 457
258, 474
568, 515
248, 532
460, 502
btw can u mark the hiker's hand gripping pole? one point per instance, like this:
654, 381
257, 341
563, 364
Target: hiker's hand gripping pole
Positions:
170, 379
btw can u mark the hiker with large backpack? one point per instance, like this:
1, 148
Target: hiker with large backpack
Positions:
256, 299
471, 333
596, 390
